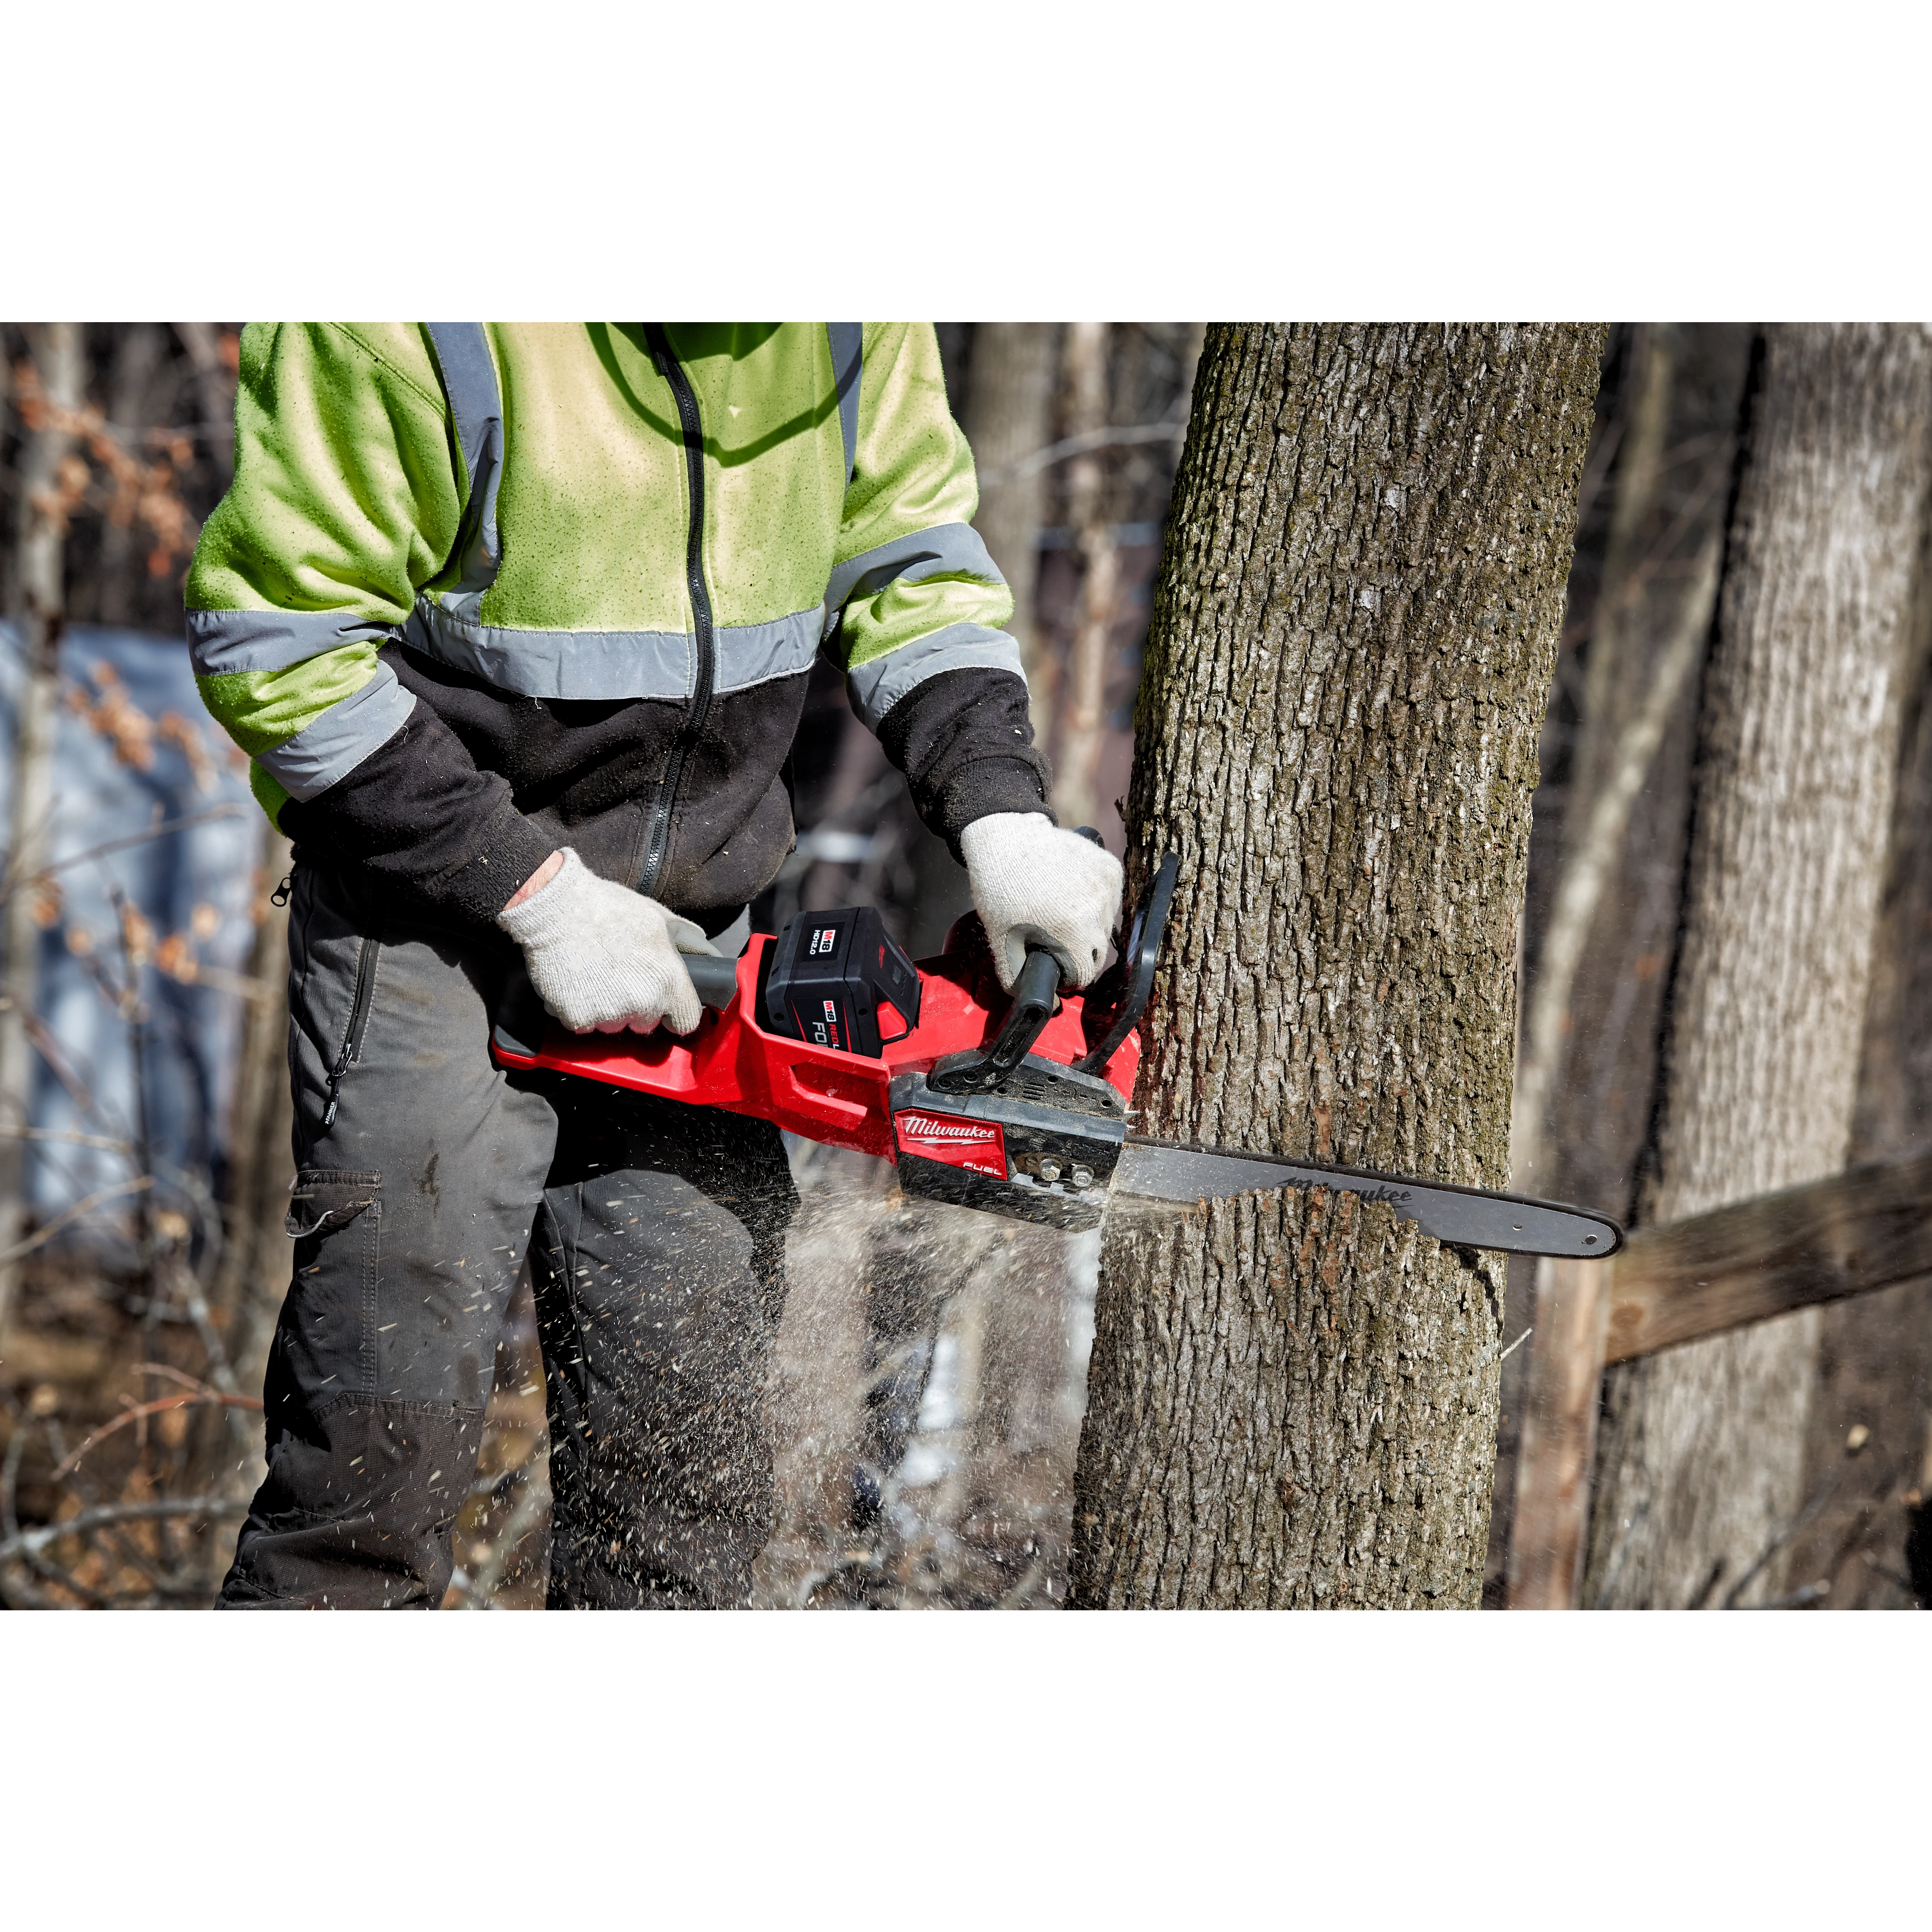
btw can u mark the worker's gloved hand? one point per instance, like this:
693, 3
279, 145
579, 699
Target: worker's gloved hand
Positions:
604, 958
1037, 885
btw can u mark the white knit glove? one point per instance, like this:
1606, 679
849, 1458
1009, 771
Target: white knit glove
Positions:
1037, 885
604, 958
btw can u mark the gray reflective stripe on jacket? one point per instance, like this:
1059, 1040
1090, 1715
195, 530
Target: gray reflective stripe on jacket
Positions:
606, 665
475, 402
329, 748
943, 550
847, 341
874, 689
598, 664
221, 642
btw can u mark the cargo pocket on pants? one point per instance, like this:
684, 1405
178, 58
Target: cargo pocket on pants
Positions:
323, 1201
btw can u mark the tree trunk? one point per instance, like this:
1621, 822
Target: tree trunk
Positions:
1597, 1118
1077, 755
1701, 1467
1617, 805
56, 350
1875, 1353
138, 355
1009, 417
1293, 1397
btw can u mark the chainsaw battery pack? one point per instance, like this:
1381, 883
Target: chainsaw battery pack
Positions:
839, 980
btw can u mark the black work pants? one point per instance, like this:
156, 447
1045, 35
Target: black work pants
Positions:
424, 1175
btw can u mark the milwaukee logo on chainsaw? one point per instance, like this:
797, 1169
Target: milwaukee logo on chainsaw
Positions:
979, 1145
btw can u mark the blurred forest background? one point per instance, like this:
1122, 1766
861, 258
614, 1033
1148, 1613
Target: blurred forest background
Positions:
931, 1362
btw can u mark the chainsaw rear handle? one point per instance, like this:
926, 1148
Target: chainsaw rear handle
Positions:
715, 978
521, 1021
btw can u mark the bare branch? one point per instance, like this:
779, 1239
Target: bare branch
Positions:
221, 981
1083, 444
170, 1373
166, 825
29, 1542
66, 1138
140, 1410
63, 1221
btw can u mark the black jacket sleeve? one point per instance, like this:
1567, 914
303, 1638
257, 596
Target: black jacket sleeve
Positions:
964, 741
420, 818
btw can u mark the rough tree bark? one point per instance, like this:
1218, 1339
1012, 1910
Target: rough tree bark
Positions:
1701, 1452
1293, 1397
56, 350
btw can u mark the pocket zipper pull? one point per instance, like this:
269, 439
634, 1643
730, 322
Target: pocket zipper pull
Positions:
335, 1074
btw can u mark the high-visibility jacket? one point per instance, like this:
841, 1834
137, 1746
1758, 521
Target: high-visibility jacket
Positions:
481, 590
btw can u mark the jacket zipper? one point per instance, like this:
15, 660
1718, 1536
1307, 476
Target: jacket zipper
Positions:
358, 1025
657, 841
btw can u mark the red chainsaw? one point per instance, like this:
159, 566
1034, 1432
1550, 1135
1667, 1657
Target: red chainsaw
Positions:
1016, 1104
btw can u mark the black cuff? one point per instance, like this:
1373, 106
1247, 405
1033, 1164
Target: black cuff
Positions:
964, 741
510, 849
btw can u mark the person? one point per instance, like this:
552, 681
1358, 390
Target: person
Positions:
513, 623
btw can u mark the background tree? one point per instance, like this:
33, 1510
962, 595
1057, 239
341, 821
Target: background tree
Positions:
1292, 1397
1701, 1460
1077, 764
1868, 1446
1606, 882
